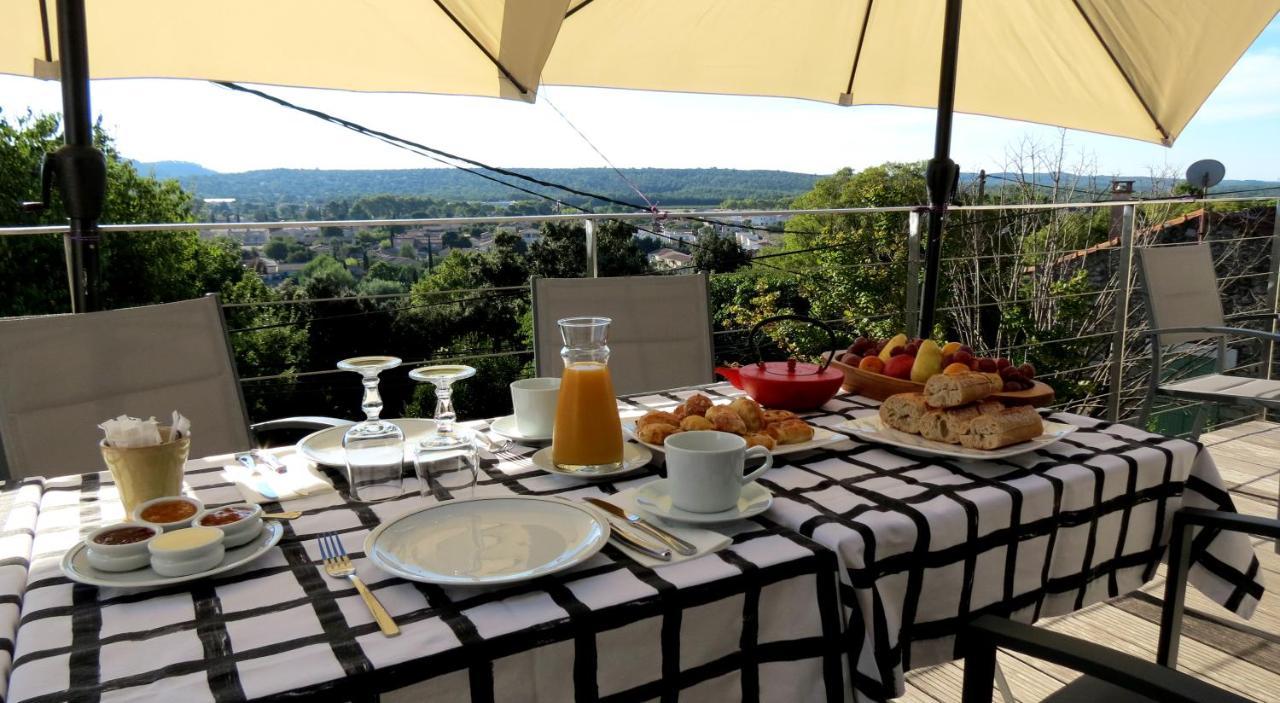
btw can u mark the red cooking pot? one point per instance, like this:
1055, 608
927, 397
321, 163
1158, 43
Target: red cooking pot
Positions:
787, 385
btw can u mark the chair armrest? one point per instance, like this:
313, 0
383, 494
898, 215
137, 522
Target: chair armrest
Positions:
1235, 331
1128, 672
301, 422
1231, 522
1254, 316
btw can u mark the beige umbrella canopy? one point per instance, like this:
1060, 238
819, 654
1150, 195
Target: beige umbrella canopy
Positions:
1133, 68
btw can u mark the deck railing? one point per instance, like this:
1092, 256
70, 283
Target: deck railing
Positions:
1108, 340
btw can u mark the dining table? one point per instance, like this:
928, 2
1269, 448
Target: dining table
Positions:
866, 565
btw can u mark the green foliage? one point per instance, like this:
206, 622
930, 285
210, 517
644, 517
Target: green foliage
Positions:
561, 252
717, 253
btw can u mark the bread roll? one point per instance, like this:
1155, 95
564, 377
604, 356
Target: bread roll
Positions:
694, 423
696, 404
947, 424
751, 413
1009, 426
902, 412
943, 391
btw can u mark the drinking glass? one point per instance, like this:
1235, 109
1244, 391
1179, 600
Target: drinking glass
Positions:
449, 472
374, 448
442, 377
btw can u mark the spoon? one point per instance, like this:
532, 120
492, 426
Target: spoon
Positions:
287, 515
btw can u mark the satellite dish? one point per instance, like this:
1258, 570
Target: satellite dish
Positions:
1205, 174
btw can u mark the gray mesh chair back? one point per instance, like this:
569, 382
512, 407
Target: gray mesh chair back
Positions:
1181, 290
661, 332
61, 375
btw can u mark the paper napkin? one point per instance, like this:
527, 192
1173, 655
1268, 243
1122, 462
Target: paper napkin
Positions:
707, 541
300, 479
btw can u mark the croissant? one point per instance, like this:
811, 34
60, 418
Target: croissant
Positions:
655, 433
750, 412
694, 423
790, 431
726, 420
657, 417
760, 439
772, 416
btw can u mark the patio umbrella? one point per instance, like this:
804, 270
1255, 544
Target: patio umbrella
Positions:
1132, 68
466, 47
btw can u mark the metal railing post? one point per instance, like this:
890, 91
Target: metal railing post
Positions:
1273, 288
593, 269
1121, 327
912, 303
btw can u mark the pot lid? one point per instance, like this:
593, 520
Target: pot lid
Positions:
789, 371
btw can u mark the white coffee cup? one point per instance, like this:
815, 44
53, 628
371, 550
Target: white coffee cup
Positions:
705, 469
534, 403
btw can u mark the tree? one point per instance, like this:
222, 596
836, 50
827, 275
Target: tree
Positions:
561, 251
407, 251
138, 268
717, 253
277, 248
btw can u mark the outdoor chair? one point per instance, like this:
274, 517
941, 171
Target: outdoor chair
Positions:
62, 375
1181, 293
661, 332
1110, 675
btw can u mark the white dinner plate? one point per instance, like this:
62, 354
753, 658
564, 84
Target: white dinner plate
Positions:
506, 426
325, 447
484, 541
821, 437
655, 498
75, 564
871, 429
634, 458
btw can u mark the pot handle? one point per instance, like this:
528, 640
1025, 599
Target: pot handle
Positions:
831, 336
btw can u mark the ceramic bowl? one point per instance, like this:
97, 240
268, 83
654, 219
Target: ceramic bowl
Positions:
120, 557
169, 524
246, 526
186, 551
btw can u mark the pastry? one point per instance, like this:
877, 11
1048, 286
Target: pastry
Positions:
772, 416
696, 404
655, 432
726, 420
792, 431
760, 439
1009, 426
694, 423
943, 391
750, 412
657, 417
903, 411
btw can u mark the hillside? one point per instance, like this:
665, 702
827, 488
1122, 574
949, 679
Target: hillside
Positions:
670, 187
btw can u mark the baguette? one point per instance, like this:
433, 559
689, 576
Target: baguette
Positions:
1010, 426
903, 411
943, 391
946, 425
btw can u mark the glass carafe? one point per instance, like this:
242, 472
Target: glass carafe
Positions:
587, 437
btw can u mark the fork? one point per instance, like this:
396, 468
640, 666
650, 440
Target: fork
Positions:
337, 565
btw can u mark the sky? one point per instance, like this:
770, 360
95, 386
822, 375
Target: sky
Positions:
157, 120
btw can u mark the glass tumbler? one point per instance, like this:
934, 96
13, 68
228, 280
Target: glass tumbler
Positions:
446, 473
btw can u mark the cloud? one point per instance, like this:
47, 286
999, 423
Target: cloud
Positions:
1250, 91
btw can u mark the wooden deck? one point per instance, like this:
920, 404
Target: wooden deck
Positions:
1239, 655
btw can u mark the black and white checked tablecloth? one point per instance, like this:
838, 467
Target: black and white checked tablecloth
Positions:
760, 619
926, 543
19, 506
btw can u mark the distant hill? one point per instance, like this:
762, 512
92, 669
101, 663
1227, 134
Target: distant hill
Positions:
665, 186
1141, 184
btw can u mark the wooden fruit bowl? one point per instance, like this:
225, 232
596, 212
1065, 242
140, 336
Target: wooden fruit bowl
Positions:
879, 386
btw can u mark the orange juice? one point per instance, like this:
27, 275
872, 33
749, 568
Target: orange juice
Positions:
587, 430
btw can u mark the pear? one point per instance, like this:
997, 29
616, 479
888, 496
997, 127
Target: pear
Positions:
899, 340
928, 361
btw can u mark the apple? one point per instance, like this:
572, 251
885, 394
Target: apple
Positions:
899, 366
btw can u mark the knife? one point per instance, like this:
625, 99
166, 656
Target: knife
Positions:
667, 538
639, 544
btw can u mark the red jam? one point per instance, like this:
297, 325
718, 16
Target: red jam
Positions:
226, 516
124, 535
168, 511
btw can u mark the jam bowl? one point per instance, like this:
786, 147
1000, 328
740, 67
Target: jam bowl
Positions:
120, 547
169, 512
186, 551
240, 522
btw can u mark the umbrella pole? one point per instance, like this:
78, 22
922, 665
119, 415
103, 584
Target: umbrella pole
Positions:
78, 168
942, 173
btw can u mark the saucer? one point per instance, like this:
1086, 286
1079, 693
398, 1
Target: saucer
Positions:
634, 458
655, 497
506, 426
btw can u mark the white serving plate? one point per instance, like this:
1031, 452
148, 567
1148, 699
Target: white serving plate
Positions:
325, 447
871, 429
634, 458
486, 541
75, 564
506, 427
821, 437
